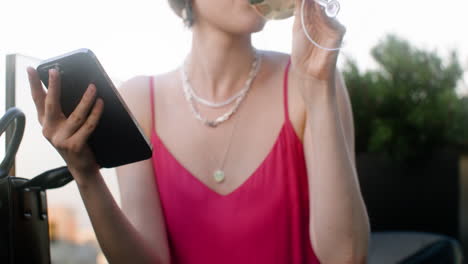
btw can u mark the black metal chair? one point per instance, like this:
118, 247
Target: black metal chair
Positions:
413, 248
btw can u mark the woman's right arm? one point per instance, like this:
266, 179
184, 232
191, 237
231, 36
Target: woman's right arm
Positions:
119, 239
138, 190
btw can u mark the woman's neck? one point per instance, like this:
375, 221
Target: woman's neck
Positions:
219, 63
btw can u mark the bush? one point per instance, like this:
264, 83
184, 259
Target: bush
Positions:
408, 107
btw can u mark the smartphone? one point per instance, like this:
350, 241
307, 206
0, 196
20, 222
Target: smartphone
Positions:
118, 138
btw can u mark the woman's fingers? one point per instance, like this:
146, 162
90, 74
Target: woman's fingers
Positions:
68, 136
90, 124
316, 16
37, 92
79, 115
53, 110
326, 31
331, 22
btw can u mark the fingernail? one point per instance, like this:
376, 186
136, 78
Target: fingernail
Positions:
98, 102
91, 88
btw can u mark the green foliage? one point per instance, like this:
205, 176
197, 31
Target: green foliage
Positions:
408, 107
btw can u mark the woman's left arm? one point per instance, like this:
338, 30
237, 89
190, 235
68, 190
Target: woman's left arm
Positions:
339, 224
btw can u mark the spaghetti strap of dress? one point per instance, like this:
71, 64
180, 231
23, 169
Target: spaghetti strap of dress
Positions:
151, 86
285, 92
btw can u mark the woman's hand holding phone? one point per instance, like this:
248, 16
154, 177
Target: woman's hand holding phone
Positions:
68, 135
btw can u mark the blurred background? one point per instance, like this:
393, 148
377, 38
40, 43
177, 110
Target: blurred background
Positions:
405, 64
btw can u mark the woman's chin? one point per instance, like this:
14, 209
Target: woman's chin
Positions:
251, 25
260, 25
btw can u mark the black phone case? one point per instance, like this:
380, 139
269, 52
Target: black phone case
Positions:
117, 139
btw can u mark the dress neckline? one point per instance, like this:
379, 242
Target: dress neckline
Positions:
188, 173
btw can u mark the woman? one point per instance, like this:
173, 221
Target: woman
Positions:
253, 156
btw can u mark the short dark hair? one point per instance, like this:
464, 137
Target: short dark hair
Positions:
179, 5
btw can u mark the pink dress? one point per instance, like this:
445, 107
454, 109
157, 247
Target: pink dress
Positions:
264, 221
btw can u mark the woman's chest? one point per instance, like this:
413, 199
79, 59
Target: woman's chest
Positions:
235, 149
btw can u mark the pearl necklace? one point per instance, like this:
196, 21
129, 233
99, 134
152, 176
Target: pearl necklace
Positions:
190, 95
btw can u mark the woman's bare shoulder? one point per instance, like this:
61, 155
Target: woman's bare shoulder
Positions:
280, 56
138, 87
275, 59
137, 96
296, 106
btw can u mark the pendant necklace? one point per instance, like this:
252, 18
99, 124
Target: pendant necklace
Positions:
219, 174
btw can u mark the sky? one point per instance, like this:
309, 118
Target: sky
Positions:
144, 37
